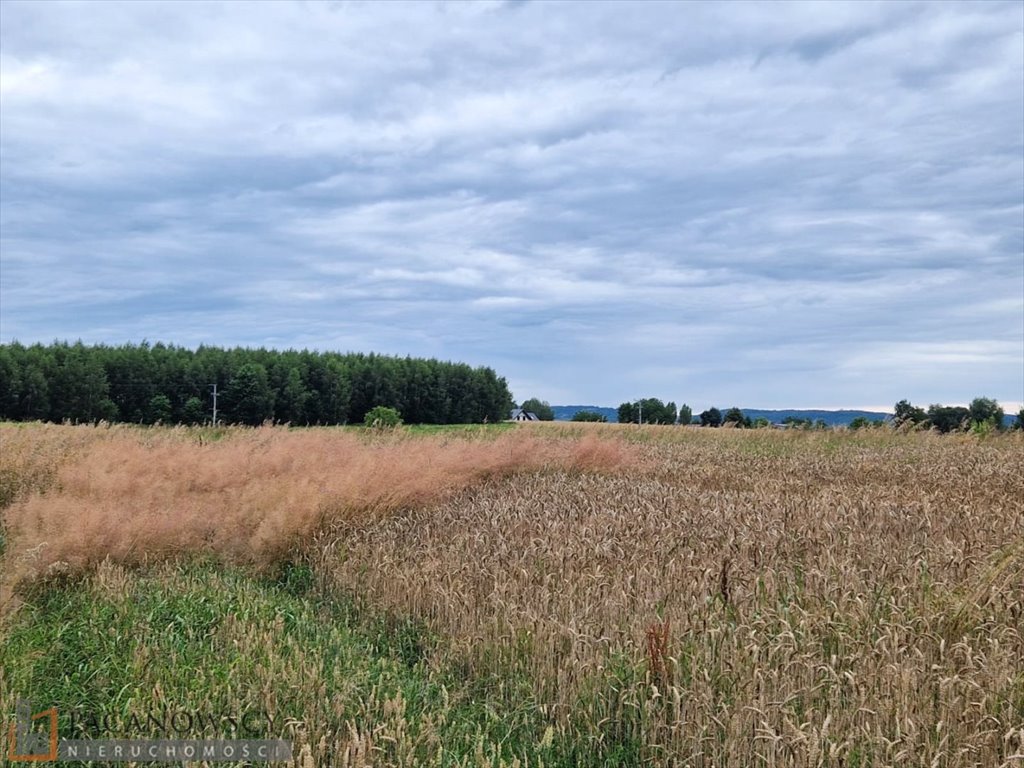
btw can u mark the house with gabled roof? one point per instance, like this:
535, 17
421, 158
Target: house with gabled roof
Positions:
520, 415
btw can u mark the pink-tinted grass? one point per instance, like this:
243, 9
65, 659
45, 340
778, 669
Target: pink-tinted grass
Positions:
259, 495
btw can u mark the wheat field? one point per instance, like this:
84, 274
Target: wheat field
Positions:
612, 595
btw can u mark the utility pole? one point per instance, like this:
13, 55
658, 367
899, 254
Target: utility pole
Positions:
214, 388
640, 403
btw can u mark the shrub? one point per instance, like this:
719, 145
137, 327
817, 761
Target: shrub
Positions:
712, 417
736, 416
985, 410
382, 417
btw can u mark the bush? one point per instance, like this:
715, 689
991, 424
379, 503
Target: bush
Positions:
712, 417
382, 417
159, 411
985, 410
736, 416
949, 418
193, 412
904, 412
589, 416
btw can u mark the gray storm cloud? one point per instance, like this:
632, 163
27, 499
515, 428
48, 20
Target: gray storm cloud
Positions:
767, 205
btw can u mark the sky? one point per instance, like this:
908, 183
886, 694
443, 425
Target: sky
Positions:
764, 205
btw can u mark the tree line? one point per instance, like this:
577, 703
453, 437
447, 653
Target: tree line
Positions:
982, 414
147, 384
651, 410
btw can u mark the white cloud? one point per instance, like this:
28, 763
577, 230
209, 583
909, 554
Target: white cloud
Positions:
750, 203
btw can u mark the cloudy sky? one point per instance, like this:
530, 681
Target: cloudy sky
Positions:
795, 205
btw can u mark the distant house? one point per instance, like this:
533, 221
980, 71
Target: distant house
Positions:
520, 415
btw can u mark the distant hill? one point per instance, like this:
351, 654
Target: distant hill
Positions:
832, 418
566, 412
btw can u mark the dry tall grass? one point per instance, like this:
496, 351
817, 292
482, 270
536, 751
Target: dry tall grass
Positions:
255, 496
708, 598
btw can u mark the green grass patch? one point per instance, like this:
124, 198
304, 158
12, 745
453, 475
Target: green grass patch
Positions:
196, 638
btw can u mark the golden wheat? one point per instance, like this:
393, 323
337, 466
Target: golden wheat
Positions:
719, 597
794, 599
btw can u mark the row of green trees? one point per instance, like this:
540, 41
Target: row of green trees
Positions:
983, 413
654, 412
164, 383
590, 416
650, 410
